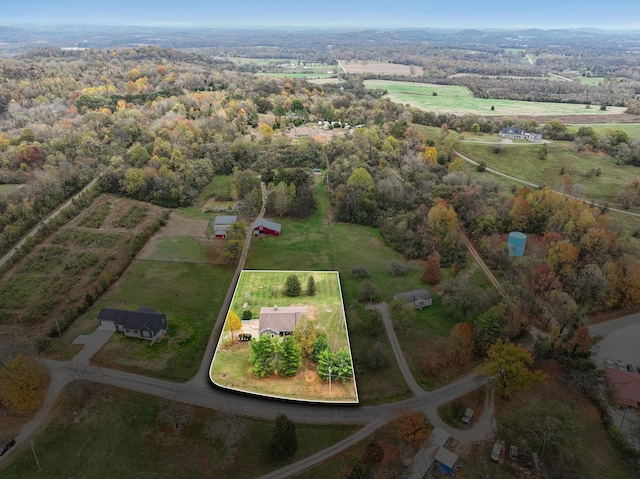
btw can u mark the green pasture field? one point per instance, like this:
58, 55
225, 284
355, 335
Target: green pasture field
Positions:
460, 100
258, 289
191, 295
5, 189
96, 438
219, 188
319, 244
184, 249
631, 129
296, 75
524, 163
257, 61
592, 80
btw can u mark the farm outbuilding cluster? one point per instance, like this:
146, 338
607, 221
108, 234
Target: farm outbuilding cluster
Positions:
221, 225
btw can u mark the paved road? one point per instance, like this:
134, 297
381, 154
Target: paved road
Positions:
46, 220
383, 310
199, 392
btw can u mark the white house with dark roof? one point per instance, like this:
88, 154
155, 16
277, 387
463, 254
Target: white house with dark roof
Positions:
145, 323
280, 321
514, 133
221, 225
418, 298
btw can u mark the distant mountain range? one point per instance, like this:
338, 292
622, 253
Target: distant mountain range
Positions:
15, 38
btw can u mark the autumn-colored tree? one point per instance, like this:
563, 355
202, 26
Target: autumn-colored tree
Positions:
411, 427
461, 342
23, 384
431, 274
456, 165
306, 333
541, 278
520, 212
509, 368
233, 323
430, 155
562, 256
442, 218
265, 132
580, 343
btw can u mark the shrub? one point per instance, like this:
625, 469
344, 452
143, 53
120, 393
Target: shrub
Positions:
359, 272
396, 268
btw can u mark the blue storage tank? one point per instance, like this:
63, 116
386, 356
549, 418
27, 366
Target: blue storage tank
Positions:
516, 243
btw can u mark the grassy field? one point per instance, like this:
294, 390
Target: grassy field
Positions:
218, 190
189, 293
592, 80
460, 100
315, 244
258, 289
524, 163
120, 434
631, 129
5, 189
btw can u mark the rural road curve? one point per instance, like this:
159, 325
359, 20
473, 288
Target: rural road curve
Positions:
46, 220
533, 185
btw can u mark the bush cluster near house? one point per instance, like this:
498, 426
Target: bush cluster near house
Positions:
310, 360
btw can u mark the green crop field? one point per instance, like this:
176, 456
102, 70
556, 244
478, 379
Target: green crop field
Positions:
460, 100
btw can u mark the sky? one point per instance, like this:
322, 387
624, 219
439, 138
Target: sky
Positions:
504, 14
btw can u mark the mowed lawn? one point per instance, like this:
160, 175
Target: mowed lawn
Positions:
191, 295
120, 434
257, 289
459, 100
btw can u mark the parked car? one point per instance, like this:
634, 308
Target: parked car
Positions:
630, 368
495, 451
619, 364
595, 349
7, 445
468, 414
609, 364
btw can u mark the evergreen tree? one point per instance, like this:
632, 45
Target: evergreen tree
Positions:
284, 442
292, 286
289, 358
311, 286
263, 356
320, 345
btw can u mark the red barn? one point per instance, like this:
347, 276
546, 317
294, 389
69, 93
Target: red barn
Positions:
266, 227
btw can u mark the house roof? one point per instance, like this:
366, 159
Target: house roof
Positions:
268, 224
225, 220
627, 386
279, 319
446, 457
135, 320
439, 436
411, 296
